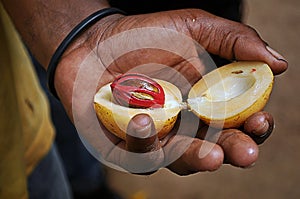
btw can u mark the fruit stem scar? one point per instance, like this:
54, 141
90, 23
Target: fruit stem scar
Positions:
185, 106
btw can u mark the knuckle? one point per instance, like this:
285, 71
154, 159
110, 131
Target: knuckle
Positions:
250, 30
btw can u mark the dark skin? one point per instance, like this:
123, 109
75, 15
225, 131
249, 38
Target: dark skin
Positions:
228, 39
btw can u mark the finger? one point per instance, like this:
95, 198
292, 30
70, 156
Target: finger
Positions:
232, 40
246, 44
141, 136
252, 47
239, 149
199, 156
259, 126
141, 153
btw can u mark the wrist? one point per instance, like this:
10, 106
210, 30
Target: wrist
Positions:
75, 54
89, 37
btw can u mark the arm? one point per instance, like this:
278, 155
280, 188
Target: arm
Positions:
44, 24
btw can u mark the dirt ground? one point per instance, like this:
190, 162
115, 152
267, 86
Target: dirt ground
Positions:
276, 174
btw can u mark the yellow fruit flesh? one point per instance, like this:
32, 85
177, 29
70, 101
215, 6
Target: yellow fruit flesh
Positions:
226, 97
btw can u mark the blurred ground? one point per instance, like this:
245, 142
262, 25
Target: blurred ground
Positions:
276, 174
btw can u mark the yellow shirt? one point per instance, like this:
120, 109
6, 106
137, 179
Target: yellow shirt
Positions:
26, 133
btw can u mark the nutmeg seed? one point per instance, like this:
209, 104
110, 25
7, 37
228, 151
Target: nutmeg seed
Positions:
137, 91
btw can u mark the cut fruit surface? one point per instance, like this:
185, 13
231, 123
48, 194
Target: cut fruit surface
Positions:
227, 96
223, 98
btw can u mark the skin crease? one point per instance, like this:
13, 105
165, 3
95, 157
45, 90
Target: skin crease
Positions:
228, 39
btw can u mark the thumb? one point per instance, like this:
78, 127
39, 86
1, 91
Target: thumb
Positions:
141, 136
251, 47
233, 40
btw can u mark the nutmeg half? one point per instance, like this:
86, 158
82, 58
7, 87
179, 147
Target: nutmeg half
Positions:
115, 117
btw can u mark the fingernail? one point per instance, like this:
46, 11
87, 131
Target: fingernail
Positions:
276, 54
262, 130
141, 127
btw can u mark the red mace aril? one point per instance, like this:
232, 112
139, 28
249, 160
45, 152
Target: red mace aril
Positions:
137, 91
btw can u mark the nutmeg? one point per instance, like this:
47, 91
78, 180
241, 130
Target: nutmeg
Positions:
223, 98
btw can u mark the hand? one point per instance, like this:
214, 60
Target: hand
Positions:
225, 38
